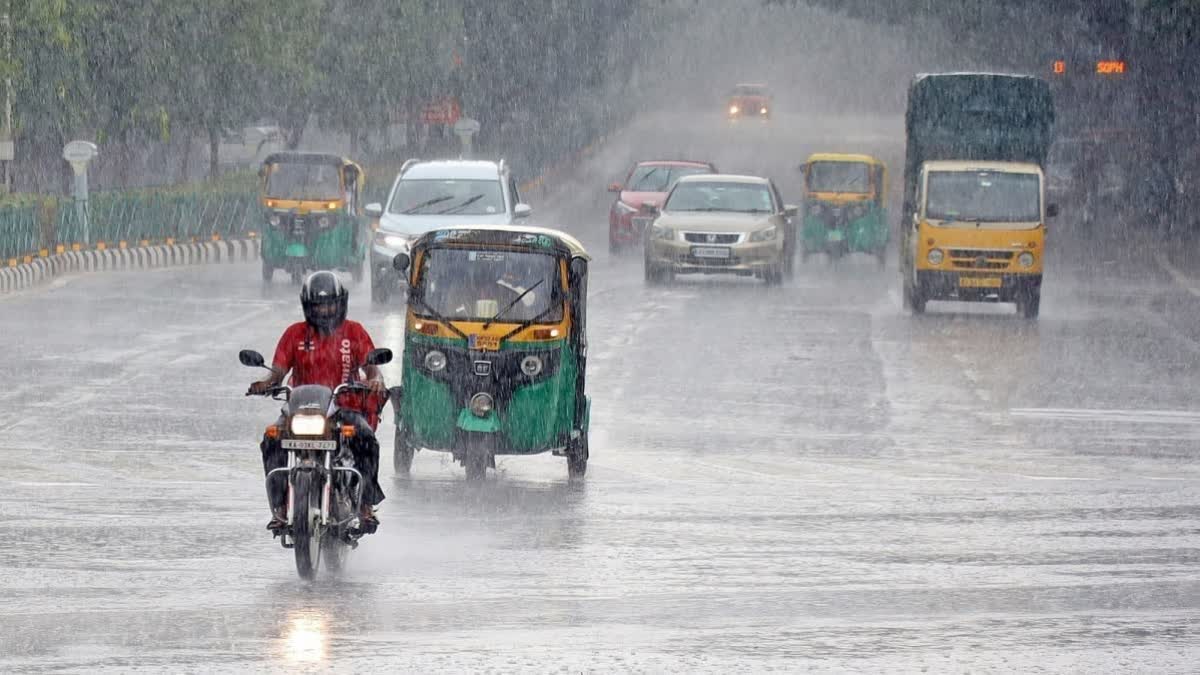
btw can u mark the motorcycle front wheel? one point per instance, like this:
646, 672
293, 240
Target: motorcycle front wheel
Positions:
306, 542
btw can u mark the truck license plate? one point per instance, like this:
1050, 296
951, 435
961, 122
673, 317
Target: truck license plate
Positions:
300, 444
710, 252
979, 282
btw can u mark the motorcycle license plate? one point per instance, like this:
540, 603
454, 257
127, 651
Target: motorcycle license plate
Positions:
979, 282
710, 252
835, 235
301, 444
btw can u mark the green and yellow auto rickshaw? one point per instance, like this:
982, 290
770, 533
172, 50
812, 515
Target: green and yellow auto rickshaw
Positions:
494, 347
844, 209
311, 214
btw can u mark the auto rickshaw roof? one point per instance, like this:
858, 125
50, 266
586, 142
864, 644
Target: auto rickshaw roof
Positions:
293, 157
844, 157
504, 235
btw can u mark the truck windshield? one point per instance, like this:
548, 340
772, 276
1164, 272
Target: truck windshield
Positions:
474, 285
983, 196
839, 177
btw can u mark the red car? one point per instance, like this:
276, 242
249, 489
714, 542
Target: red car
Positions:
647, 183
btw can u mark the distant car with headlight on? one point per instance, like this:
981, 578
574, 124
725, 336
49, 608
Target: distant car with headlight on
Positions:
429, 195
646, 183
749, 100
721, 224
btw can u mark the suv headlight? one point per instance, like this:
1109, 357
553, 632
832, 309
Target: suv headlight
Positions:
308, 425
765, 235
664, 233
394, 241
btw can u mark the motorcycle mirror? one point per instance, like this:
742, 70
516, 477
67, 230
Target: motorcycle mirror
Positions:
1052, 210
380, 356
251, 358
400, 262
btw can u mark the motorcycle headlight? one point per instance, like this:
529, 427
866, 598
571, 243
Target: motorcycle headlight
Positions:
664, 233
936, 256
531, 365
324, 221
1025, 259
393, 241
308, 425
764, 235
624, 208
435, 361
481, 404
763, 110
274, 220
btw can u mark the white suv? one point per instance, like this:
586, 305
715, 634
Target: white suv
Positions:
437, 193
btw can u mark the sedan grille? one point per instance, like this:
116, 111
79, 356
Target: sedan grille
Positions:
711, 238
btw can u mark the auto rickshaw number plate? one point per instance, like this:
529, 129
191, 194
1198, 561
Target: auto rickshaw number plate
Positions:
979, 282
490, 343
835, 235
710, 252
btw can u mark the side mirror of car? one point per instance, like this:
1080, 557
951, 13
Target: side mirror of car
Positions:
790, 210
614, 187
379, 356
522, 211
374, 209
400, 262
1052, 210
251, 358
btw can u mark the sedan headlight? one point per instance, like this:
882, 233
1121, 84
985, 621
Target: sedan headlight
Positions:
308, 425
1025, 259
393, 241
531, 365
765, 235
481, 404
664, 233
733, 110
435, 361
936, 257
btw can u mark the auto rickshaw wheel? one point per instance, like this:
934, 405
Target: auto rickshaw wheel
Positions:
356, 271
914, 299
1029, 305
402, 454
577, 458
476, 464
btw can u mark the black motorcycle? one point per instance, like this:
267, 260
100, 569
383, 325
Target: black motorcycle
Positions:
324, 488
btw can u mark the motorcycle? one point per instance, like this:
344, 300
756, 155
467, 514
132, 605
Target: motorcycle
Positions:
325, 490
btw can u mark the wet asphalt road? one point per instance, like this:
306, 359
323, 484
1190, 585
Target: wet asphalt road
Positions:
802, 479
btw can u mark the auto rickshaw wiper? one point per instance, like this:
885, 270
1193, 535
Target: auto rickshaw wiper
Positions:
433, 312
512, 304
431, 202
526, 324
465, 204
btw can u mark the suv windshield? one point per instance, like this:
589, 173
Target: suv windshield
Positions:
741, 197
473, 285
304, 181
983, 196
660, 178
447, 197
839, 177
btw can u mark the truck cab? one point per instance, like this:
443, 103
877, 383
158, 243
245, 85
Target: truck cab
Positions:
978, 233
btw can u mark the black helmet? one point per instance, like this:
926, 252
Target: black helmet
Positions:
324, 300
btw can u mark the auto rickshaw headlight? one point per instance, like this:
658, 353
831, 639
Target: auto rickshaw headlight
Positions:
936, 257
324, 221
308, 425
274, 220
531, 365
481, 404
1025, 259
764, 235
435, 361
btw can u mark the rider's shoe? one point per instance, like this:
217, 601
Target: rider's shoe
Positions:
278, 519
367, 519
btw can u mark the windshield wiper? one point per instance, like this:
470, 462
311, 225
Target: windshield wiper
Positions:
469, 201
431, 202
433, 312
512, 304
526, 324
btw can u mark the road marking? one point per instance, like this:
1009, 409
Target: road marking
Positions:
1181, 279
1177, 417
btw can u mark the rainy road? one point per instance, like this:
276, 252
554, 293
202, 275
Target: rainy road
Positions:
801, 478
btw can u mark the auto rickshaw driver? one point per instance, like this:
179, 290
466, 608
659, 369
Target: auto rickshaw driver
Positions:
490, 285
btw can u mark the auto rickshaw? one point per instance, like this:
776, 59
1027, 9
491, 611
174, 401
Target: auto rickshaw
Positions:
494, 347
311, 214
844, 209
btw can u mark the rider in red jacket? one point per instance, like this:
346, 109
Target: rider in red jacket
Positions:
329, 350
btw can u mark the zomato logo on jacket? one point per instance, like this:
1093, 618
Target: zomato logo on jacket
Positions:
347, 364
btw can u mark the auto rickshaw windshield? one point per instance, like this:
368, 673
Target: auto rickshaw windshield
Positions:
839, 177
473, 285
304, 181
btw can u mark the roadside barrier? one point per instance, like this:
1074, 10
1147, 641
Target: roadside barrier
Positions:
38, 270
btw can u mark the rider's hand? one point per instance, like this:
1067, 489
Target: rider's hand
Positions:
377, 386
259, 388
